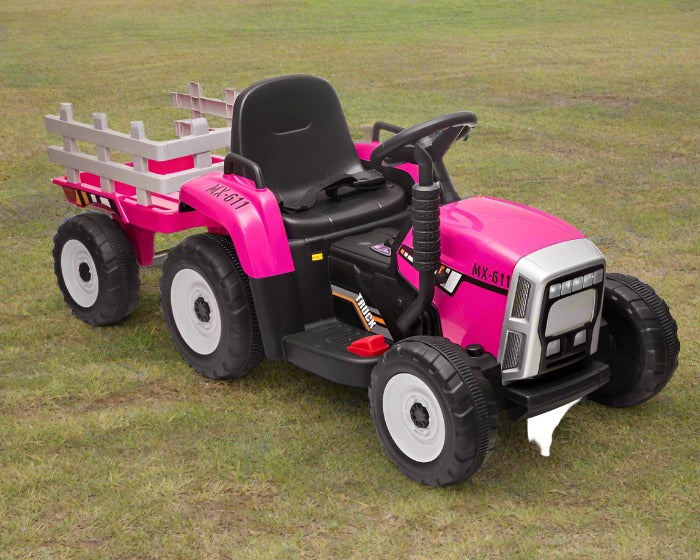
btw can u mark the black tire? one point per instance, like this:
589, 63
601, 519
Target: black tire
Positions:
642, 345
237, 348
106, 290
467, 405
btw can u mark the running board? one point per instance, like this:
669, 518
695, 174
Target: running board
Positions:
321, 349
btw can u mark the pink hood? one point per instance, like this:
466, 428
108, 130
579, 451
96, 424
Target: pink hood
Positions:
482, 240
497, 233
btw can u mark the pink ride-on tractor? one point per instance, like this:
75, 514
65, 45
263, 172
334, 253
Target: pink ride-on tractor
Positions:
357, 262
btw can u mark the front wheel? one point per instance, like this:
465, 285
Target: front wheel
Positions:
641, 345
433, 412
208, 307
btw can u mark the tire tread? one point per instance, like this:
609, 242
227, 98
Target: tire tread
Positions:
116, 266
242, 348
470, 404
649, 314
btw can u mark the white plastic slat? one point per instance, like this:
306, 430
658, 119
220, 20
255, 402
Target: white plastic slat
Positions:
99, 120
196, 139
150, 149
196, 96
138, 132
199, 128
147, 181
199, 105
183, 127
69, 143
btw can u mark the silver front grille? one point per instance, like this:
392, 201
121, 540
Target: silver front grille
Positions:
522, 294
521, 352
514, 345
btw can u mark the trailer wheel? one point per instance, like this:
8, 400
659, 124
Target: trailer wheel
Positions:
208, 307
96, 268
642, 343
433, 412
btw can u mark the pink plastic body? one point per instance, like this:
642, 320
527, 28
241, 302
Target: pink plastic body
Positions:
483, 238
140, 223
251, 216
229, 203
220, 203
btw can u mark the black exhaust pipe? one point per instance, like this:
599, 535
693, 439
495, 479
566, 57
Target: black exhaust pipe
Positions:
425, 218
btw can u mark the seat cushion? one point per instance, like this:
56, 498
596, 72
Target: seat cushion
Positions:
329, 215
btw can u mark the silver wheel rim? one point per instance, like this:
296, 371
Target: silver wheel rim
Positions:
403, 393
195, 311
79, 273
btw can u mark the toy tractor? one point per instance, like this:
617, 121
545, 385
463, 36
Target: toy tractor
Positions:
358, 262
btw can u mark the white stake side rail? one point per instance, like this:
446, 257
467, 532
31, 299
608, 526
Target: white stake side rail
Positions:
197, 140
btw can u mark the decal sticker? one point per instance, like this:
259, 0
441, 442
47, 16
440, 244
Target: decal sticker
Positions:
406, 253
366, 313
316, 257
369, 316
483, 273
228, 195
485, 285
452, 280
492, 280
83, 198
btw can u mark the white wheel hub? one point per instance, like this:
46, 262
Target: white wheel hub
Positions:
79, 273
414, 418
195, 311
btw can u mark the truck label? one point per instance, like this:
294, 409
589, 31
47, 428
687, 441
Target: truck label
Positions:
366, 313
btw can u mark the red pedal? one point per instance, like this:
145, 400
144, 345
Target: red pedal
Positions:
369, 346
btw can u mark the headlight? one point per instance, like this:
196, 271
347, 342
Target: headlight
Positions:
574, 285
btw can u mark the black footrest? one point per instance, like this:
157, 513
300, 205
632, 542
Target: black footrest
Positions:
321, 349
525, 399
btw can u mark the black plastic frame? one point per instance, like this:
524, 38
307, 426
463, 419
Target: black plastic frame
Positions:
381, 125
232, 159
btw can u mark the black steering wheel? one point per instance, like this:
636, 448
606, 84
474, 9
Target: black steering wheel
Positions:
432, 138
439, 134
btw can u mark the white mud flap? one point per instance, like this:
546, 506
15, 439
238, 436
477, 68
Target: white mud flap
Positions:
540, 428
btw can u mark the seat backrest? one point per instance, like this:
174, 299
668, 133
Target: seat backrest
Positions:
293, 127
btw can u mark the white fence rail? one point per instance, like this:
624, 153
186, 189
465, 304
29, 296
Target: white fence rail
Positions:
198, 105
196, 140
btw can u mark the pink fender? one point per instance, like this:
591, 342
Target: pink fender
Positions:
482, 239
251, 216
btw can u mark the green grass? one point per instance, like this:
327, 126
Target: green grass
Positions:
111, 447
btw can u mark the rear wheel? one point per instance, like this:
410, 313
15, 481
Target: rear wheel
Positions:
96, 268
641, 345
208, 307
433, 412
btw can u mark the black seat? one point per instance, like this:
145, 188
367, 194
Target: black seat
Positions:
293, 127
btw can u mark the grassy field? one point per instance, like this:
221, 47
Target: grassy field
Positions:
111, 447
